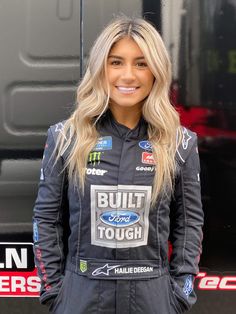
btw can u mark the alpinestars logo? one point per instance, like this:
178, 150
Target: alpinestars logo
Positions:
119, 215
59, 127
104, 270
186, 138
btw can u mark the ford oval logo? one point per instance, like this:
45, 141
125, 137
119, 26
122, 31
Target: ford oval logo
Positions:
119, 218
146, 145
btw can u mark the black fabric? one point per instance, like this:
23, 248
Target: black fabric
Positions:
111, 227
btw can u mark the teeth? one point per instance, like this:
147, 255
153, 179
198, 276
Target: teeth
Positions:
126, 89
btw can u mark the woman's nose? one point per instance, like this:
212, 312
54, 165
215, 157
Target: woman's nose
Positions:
128, 72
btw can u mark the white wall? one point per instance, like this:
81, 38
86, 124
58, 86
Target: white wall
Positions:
171, 17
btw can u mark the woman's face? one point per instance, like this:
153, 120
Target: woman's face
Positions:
129, 77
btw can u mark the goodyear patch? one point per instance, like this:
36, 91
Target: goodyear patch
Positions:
188, 286
103, 143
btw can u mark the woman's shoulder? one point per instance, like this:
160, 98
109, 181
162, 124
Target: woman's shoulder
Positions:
57, 128
188, 136
186, 140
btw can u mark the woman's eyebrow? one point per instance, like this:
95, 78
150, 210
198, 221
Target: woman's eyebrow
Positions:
119, 57
114, 56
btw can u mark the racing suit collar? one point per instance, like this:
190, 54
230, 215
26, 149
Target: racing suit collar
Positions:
121, 130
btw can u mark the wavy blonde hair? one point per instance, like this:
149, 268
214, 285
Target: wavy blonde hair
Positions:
93, 101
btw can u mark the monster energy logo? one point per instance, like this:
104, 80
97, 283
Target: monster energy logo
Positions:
95, 157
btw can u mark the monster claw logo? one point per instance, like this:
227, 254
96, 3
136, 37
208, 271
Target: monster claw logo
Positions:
94, 157
104, 270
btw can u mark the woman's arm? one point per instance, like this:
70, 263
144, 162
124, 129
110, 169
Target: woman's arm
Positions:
186, 219
47, 222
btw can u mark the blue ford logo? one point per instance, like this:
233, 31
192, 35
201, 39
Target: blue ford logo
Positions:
119, 218
146, 145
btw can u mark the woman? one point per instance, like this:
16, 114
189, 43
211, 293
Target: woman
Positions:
123, 177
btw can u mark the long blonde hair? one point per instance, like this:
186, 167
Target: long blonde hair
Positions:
93, 101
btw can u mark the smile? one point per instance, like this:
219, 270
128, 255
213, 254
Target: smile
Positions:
126, 90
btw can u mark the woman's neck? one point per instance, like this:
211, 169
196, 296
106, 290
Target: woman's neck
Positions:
126, 116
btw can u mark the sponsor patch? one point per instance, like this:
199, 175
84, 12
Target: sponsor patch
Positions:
146, 145
146, 168
95, 172
35, 231
133, 270
188, 286
104, 270
38, 255
41, 174
114, 270
95, 158
147, 158
83, 266
119, 215
119, 218
104, 143
59, 127
186, 138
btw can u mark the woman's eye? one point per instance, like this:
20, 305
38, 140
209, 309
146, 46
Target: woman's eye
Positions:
115, 62
141, 64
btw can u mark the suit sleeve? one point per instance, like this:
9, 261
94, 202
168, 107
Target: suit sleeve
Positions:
186, 225
47, 223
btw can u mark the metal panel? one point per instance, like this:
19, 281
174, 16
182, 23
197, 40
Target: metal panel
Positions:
39, 66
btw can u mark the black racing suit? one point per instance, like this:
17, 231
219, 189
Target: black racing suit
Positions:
113, 256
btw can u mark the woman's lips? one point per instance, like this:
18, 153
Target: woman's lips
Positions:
126, 90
